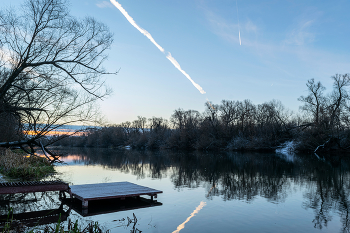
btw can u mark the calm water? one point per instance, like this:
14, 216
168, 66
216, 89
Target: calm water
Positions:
214, 192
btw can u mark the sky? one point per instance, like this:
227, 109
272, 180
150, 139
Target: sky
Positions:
234, 50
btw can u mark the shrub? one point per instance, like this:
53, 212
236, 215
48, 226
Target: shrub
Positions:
19, 165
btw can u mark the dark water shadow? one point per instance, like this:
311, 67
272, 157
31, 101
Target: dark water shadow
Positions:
97, 207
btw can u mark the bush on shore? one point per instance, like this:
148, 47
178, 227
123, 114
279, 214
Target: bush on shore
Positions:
19, 165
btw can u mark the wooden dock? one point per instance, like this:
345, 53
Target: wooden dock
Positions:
32, 186
89, 192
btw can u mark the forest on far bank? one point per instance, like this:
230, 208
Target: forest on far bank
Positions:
321, 126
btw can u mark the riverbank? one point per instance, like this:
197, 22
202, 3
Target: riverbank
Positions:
18, 165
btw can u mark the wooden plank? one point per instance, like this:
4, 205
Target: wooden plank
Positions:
30, 187
89, 192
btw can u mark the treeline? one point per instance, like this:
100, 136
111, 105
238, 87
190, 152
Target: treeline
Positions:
321, 125
232, 124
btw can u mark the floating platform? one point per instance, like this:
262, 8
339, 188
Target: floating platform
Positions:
90, 192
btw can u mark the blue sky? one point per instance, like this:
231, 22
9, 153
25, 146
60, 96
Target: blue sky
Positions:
283, 44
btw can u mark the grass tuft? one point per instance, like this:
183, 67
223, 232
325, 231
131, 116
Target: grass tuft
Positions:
19, 165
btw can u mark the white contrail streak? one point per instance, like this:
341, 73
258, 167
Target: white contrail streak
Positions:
182, 225
177, 65
212, 107
133, 23
239, 28
148, 35
239, 35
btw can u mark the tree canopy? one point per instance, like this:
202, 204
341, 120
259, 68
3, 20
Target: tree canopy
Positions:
50, 67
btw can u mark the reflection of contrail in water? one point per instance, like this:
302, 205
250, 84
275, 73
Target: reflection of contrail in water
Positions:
148, 35
182, 225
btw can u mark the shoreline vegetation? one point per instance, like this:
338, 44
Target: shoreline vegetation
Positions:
18, 165
322, 126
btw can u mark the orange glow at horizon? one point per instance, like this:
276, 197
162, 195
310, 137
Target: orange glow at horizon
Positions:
56, 133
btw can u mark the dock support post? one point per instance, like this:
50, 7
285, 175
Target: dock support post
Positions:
85, 204
85, 211
62, 195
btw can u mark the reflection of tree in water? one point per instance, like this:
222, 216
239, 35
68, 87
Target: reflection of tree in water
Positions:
232, 176
38, 211
140, 164
28, 202
241, 176
329, 192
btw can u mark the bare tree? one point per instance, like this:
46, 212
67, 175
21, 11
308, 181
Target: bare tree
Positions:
50, 66
314, 101
228, 111
246, 113
338, 98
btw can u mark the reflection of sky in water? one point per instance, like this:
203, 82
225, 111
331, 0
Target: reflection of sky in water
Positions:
243, 193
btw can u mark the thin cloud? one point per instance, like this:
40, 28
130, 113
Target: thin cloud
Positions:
278, 54
250, 26
104, 4
302, 34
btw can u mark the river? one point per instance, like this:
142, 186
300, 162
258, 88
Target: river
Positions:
211, 192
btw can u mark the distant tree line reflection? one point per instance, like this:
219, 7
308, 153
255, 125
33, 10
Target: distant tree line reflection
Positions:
241, 176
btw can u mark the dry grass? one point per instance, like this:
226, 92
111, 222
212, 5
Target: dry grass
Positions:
18, 165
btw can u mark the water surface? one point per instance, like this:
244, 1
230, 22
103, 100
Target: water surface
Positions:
215, 192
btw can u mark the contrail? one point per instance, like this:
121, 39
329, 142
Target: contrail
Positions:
177, 65
212, 107
239, 35
182, 225
133, 23
148, 35
239, 28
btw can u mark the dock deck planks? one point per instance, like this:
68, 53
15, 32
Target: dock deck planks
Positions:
32, 186
88, 192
